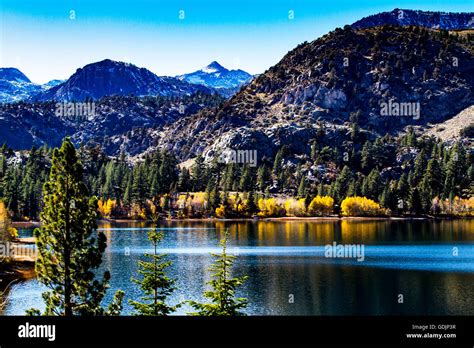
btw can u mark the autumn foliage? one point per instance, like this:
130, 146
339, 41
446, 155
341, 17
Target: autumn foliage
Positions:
7, 232
361, 206
321, 206
106, 207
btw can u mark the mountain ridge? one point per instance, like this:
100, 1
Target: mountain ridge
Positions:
427, 19
108, 78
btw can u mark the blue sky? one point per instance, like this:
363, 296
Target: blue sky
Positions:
41, 39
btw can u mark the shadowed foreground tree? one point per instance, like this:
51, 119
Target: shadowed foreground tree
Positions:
223, 286
155, 285
69, 247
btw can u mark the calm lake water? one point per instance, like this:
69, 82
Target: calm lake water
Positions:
431, 263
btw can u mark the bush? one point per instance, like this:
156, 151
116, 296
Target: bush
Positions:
269, 207
361, 206
455, 207
220, 211
295, 207
106, 207
321, 206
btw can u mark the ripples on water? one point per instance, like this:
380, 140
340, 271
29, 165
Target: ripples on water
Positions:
286, 259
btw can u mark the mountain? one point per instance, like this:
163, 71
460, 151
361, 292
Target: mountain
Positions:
326, 86
333, 90
13, 75
117, 123
52, 83
108, 77
15, 86
226, 82
426, 19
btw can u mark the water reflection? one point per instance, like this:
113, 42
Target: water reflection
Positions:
288, 273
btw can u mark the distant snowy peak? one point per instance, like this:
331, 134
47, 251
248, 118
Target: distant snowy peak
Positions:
15, 86
52, 83
13, 75
427, 19
108, 77
225, 81
214, 67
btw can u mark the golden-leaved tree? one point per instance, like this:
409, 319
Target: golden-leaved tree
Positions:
321, 206
361, 206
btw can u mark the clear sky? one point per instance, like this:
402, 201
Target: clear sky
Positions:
45, 40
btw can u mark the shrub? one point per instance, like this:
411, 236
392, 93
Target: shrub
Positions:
360, 206
269, 207
220, 211
295, 207
455, 207
106, 207
321, 206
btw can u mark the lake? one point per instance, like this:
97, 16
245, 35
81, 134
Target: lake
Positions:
429, 263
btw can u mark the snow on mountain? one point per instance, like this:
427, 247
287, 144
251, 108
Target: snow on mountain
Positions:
52, 83
15, 86
214, 75
108, 78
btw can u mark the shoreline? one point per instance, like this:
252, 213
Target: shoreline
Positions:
29, 224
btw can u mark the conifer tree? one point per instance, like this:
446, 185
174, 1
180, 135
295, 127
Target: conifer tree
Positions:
263, 177
69, 247
432, 182
223, 288
198, 174
416, 206
251, 203
341, 185
302, 187
156, 286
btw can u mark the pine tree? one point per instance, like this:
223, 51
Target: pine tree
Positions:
278, 162
168, 172
245, 183
223, 288
420, 165
263, 178
251, 203
403, 189
155, 285
367, 162
374, 183
456, 169
341, 185
69, 248
302, 187
139, 185
127, 197
416, 206
184, 181
198, 174
432, 182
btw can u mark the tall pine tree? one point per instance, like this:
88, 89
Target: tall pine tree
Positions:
69, 247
